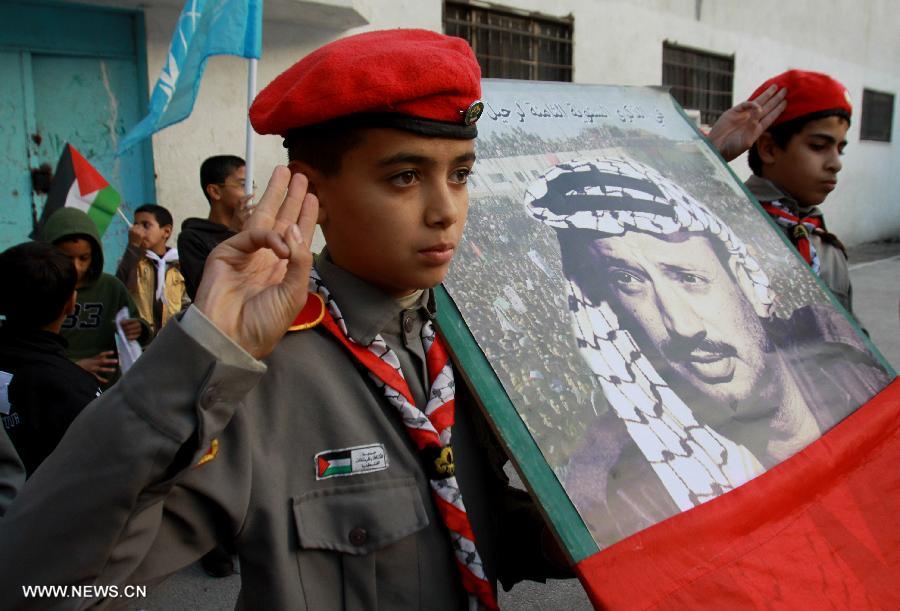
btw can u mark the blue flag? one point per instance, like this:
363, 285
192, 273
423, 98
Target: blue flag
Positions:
205, 27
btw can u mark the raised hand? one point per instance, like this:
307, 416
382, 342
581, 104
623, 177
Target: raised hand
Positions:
741, 125
137, 237
255, 283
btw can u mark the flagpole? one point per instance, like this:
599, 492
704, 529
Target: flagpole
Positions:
251, 93
124, 218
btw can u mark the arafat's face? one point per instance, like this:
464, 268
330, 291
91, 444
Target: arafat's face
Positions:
81, 254
395, 212
685, 310
808, 166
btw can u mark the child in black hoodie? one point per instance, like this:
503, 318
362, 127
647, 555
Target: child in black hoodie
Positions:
41, 390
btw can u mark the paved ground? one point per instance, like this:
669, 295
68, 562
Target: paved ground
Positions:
875, 272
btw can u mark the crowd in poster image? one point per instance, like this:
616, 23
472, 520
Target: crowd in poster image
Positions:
526, 332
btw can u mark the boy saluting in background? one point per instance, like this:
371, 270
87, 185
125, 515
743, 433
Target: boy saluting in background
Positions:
795, 164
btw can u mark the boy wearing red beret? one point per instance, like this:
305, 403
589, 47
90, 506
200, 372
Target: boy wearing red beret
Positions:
348, 467
795, 164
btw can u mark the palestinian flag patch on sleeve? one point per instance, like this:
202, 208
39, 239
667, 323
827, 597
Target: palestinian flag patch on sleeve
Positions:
351, 461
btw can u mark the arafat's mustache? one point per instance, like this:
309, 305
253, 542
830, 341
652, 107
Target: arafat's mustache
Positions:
680, 348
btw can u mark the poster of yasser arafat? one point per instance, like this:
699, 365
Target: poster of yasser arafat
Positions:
642, 337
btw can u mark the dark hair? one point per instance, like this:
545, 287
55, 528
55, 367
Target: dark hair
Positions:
215, 170
163, 217
323, 146
783, 133
37, 281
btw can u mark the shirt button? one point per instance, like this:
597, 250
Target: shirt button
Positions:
358, 536
408, 323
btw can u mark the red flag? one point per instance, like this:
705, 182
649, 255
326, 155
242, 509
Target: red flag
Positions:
818, 529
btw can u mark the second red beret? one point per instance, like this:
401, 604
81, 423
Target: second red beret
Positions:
807, 93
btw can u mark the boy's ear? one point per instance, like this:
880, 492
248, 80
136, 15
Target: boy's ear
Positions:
213, 192
766, 147
314, 178
167, 232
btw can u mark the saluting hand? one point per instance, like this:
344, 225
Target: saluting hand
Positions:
255, 283
741, 125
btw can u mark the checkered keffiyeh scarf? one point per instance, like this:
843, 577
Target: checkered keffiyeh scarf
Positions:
430, 431
614, 196
801, 228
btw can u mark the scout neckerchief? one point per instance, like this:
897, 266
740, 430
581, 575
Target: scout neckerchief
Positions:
613, 196
800, 227
161, 265
430, 431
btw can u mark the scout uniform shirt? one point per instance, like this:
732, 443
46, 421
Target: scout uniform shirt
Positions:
833, 268
308, 537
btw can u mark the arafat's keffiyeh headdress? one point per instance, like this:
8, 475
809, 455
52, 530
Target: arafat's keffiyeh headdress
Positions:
614, 196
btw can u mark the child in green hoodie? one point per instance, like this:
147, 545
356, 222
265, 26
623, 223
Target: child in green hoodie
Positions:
91, 329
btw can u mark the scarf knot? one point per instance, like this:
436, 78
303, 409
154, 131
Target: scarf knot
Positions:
800, 228
161, 264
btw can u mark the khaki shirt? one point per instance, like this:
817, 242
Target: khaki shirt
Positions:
138, 274
122, 500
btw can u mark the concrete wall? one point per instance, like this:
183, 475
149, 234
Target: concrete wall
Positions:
616, 41
857, 41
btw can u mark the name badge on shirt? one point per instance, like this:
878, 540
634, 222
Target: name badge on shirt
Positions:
351, 461
5, 379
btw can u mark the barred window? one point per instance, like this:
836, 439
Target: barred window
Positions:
699, 79
877, 116
513, 44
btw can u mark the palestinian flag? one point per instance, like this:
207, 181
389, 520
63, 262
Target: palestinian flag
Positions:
351, 461
333, 463
77, 184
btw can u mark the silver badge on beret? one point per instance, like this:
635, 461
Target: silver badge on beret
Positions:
473, 112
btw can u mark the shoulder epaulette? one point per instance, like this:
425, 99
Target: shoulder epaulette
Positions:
311, 314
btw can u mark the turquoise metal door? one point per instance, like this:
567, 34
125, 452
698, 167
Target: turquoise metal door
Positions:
76, 74
15, 178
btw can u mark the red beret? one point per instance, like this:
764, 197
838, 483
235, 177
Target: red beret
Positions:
808, 93
418, 74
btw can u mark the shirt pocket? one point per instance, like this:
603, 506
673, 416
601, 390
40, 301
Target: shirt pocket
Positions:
349, 534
